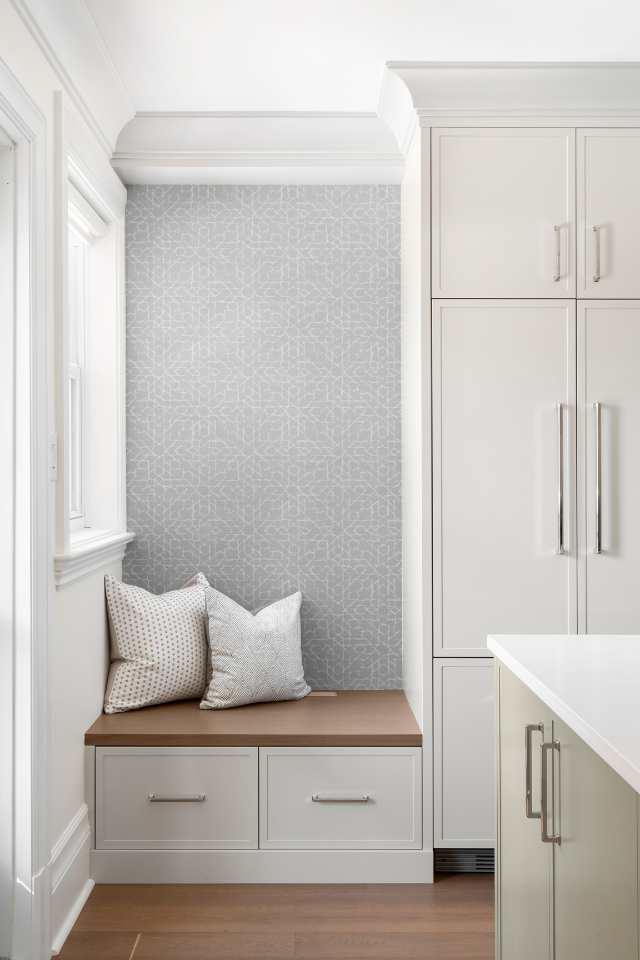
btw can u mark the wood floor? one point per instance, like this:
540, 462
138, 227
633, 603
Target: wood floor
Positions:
451, 920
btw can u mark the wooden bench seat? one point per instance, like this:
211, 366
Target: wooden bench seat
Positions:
377, 718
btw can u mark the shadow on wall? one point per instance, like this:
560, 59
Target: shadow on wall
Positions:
263, 394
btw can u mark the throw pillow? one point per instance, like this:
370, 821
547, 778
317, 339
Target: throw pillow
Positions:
158, 645
254, 657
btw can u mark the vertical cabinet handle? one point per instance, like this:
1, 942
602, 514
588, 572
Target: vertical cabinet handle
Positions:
560, 499
596, 254
529, 730
558, 240
597, 416
545, 836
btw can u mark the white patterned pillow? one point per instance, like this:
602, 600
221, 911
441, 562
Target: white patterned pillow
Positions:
158, 645
254, 657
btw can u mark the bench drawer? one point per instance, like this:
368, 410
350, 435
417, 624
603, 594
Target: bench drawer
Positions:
176, 797
332, 798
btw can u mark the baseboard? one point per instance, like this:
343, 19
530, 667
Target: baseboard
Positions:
262, 866
71, 883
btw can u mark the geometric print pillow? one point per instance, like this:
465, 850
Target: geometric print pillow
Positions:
158, 644
254, 657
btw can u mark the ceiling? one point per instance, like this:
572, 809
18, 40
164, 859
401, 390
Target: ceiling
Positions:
294, 55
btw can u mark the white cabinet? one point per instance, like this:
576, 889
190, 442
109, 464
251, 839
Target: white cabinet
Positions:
348, 798
176, 797
503, 471
609, 460
464, 753
524, 865
503, 219
608, 213
567, 883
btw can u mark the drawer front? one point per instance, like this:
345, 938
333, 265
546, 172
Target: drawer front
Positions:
347, 798
176, 797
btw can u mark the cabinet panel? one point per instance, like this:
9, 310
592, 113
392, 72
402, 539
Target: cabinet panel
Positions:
176, 797
347, 798
608, 365
595, 864
609, 201
524, 888
464, 753
498, 196
500, 368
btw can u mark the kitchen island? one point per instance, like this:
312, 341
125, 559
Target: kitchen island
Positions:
568, 797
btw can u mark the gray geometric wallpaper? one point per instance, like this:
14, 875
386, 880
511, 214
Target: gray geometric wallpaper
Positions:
263, 408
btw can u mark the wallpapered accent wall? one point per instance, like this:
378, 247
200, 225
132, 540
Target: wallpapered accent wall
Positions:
263, 408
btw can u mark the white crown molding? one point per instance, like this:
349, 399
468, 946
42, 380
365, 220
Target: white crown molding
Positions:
529, 94
85, 558
267, 147
104, 124
396, 109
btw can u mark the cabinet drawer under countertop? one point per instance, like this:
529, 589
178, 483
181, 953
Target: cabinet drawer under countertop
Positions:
349, 798
176, 797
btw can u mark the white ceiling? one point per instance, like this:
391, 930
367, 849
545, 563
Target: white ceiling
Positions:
288, 55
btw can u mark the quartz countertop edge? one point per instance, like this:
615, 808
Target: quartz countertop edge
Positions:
590, 682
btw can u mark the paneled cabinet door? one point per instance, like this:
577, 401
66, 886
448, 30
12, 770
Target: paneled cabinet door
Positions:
524, 890
464, 752
608, 213
503, 212
609, 466
596, 861
503, 471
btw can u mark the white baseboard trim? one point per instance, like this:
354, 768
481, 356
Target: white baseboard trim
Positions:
70, 878
262, 866
63, 932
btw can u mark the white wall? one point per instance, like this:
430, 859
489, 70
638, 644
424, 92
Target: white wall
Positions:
77, 623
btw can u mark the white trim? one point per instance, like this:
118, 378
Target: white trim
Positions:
26, 126
68, 846
65, 929
70, 87
79, 561
257, 114
262, 866
241, 147
254, 158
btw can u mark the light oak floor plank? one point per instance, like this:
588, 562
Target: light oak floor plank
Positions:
449, 920
98, 945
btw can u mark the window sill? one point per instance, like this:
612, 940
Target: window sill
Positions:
88, 551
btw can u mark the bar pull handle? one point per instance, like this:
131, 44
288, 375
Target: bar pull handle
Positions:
340, 798
560, 501
529, 730
545, 836
177, 798
597, 412
597, 274
558, 240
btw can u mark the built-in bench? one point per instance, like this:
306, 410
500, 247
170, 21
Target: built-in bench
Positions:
328, 788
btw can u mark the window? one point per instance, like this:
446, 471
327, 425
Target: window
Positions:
86, 230
91, 501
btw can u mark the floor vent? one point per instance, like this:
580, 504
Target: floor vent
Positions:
465, 861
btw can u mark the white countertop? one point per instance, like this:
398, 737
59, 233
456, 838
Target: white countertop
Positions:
590, 682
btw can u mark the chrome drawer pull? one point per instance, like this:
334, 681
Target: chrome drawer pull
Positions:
332, 798
177, 798
558, 274
530, 729
597, 415
545, 836
597, 273
560, 504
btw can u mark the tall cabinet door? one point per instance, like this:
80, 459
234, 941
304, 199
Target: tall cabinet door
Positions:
596, 861
504, 471
524, 887
608, 213
609, 466
503, 212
